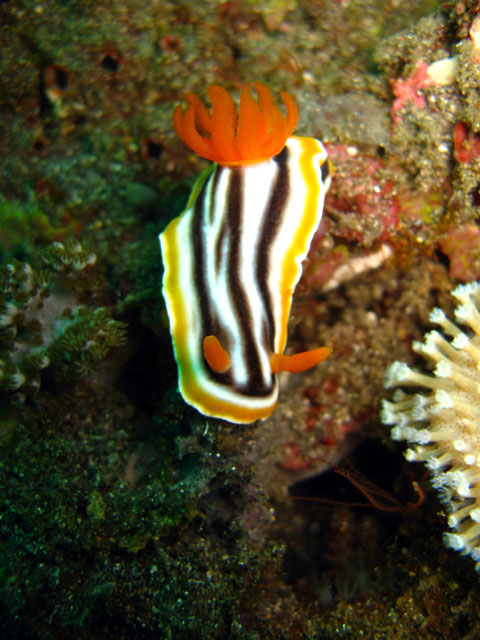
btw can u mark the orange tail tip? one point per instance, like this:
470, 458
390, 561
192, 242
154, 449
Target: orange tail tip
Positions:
258, 132
299, 361
216, 356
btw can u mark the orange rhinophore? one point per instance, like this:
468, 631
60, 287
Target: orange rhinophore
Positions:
258, 132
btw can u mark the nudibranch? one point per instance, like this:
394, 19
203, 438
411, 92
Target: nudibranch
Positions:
234, 256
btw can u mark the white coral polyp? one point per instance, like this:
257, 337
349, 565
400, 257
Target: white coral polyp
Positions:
442, 423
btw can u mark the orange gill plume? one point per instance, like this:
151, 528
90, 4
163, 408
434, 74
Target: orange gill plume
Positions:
258, 132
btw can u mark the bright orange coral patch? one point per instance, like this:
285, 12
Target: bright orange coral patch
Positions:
258, 132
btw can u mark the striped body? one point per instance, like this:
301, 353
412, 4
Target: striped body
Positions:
232, 260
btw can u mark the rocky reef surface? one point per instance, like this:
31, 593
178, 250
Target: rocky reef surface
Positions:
125, 513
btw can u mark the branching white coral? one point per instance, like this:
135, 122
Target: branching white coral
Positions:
443, 423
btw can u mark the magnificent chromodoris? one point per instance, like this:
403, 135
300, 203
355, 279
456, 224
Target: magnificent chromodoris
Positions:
234, 256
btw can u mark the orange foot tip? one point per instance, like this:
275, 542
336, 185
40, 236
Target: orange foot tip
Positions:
299, 361
216, 356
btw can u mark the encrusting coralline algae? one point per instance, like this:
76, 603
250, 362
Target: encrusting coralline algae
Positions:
443, 425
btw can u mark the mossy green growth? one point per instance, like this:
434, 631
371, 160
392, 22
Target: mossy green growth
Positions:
65, 532
23, 226
18, 222
137, 269
101, 532
49, 318
140, 271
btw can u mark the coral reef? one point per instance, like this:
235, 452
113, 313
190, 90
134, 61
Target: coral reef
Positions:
443, 423
43, 323
123, 512
115, 536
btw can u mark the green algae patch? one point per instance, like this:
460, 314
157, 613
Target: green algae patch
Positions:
24, 226
113, 534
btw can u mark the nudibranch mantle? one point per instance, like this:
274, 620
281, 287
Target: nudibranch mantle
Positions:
232, 261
